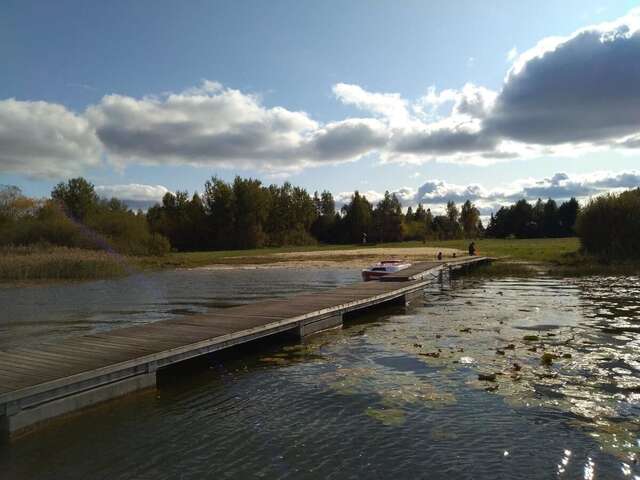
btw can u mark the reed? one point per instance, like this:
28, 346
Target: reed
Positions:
57, 263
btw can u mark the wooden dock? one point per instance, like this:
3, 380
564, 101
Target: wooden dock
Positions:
52, 379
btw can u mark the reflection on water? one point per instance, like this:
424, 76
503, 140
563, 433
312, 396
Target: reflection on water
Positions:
396, 393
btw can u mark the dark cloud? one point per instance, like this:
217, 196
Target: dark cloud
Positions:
443, 141
585, 89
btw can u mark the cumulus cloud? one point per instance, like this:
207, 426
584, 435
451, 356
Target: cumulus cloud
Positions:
512, 54
135, 195
214, 126
581, 88
45, 140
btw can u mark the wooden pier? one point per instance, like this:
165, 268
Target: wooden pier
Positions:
47, 380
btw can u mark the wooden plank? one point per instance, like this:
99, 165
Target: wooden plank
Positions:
25, 367
31, 362
172, 335
96, 357
63, 359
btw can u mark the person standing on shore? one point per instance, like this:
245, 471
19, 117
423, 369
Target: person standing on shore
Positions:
472, 248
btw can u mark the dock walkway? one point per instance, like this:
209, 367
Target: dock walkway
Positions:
51, 379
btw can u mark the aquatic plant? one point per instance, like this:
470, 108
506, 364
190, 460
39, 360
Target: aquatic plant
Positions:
57, 263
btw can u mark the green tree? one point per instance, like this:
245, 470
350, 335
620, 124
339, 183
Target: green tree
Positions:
324, 227
356, 219
77, 197
567, 215
470, 219
219, 206
550, 220
387, 219
251, 204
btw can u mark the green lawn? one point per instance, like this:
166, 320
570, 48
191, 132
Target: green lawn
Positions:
551, 250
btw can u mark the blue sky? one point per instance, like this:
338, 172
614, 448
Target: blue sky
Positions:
332, 95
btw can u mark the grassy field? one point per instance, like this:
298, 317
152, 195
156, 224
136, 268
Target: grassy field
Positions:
556, 250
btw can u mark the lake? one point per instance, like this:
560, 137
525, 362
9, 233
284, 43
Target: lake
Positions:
395, 393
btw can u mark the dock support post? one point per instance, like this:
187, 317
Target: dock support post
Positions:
318, 325
412, 297
17, 418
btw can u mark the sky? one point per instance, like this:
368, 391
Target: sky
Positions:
435, 101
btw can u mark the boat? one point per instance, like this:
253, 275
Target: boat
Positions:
385, 267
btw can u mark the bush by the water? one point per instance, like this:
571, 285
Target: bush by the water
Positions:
609, 226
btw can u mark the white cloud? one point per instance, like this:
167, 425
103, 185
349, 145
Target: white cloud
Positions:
135, 195
512, 54
45, 140
390, 106
214, 126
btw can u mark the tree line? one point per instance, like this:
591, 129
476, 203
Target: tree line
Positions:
541, 219
245, 214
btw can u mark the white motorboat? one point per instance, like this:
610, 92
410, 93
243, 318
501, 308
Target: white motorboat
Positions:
385, 267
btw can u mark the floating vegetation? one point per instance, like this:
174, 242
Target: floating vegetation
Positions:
547, 358
387, 416
593, 376
419, 393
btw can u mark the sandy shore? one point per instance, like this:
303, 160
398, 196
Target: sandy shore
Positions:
356, 258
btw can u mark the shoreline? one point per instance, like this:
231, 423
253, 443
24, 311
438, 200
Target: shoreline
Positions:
521, 257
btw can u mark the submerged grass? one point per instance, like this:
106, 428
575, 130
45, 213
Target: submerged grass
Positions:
500, 269
56, 263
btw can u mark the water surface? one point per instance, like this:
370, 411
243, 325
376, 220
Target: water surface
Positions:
396, 393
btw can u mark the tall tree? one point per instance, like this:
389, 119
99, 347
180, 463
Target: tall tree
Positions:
387, 219
77, 197
219, 206
567, 214
357, 218
550, 224
470, 219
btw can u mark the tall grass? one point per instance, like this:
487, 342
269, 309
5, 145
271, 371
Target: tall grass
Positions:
56, 263
609, 226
